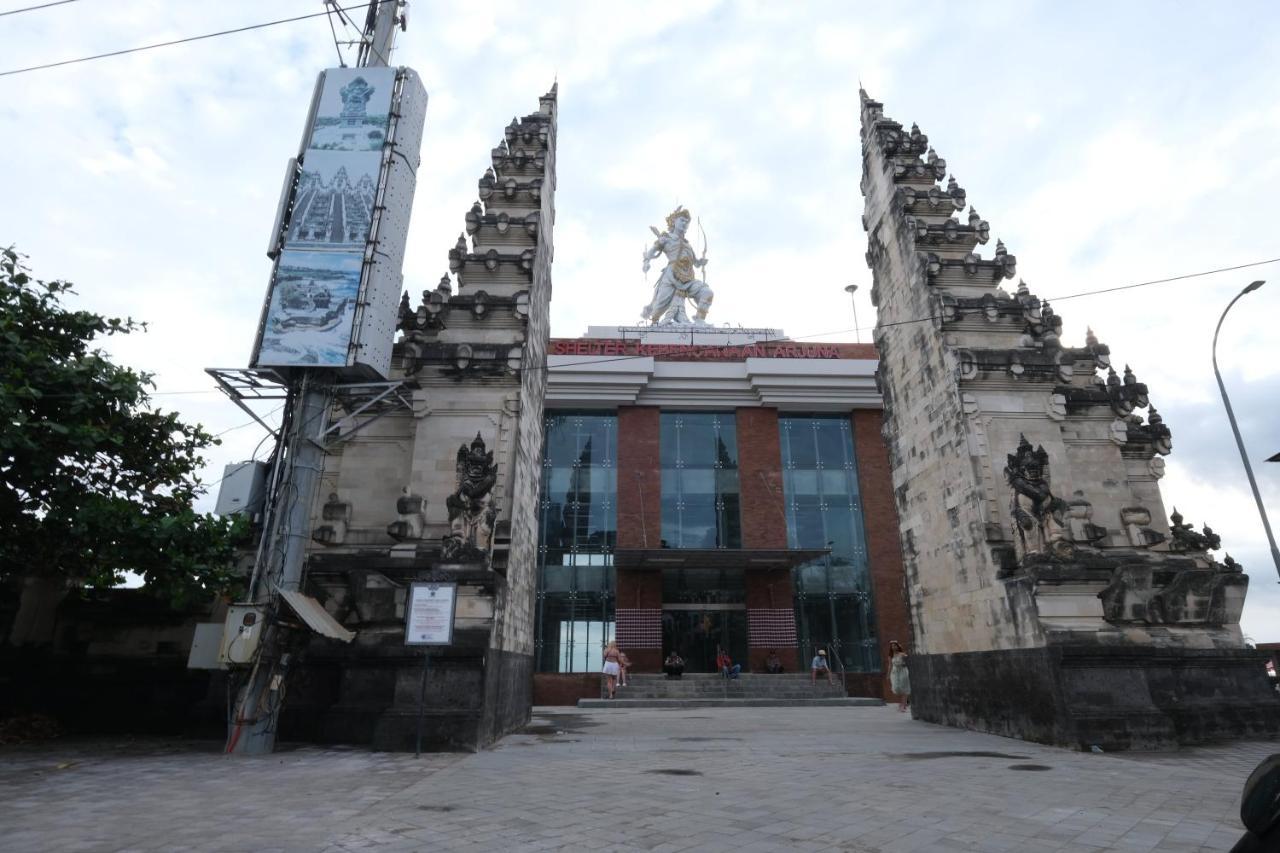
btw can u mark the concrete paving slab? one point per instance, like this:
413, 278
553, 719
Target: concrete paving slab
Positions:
634, 779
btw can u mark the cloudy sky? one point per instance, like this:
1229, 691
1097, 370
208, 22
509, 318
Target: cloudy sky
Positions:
1107, 143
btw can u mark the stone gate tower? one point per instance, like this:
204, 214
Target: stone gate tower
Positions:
445, 486
1051, 597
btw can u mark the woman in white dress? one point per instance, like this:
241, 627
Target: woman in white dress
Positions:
899, 678
612, 667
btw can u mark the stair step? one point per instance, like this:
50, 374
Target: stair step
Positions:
828, 702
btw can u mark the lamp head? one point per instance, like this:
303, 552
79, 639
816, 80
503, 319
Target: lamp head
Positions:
1254, 286
851, 288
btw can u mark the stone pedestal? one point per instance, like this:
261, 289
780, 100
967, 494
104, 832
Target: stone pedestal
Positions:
1080, 696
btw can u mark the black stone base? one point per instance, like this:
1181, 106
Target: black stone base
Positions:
1113, 697
473, 697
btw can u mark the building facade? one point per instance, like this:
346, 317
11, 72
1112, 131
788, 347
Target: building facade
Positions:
713, 488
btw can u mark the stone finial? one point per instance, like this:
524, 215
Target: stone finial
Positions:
1113, 381
932, 156
445, 286
335, 515
1184, 537
1129, 378
952, 186
1090, 339
411, 517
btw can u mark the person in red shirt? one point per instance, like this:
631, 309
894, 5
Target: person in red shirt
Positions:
725, 664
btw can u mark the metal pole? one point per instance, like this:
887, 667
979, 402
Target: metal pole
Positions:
254, 726
1235, 430
422, 703
852, 290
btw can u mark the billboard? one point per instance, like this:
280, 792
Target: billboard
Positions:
333, 214
312, 309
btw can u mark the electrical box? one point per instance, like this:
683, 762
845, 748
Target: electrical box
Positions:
242, 489
241, 633
206, 647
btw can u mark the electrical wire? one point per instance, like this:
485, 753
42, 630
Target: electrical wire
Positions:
185, 40
34, 8
880, 325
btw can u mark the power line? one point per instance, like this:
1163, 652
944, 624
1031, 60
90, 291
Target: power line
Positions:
175, 41
692, 349
1163, 280
34, 8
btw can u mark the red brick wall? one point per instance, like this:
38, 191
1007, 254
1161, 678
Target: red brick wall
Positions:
639, 478
884, 550
764, 522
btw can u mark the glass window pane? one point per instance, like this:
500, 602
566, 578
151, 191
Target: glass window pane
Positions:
832, 438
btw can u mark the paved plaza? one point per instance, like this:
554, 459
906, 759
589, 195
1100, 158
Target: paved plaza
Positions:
739, 779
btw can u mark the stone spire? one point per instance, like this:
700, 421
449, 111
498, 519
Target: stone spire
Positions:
992, 423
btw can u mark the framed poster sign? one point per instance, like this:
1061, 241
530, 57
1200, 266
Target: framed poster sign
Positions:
428, 614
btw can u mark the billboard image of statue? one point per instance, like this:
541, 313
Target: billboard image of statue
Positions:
313, 304
333, 204
354, 110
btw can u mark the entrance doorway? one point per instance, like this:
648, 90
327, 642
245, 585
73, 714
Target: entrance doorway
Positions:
696, 630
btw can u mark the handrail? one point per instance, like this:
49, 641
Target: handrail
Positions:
833, 652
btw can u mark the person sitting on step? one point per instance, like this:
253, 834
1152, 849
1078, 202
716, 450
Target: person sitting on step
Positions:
673, 666
819, 664
773, 664
725, 664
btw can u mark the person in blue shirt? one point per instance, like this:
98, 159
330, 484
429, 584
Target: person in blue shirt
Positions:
819, 664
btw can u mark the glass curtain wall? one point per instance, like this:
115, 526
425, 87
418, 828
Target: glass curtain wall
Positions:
824, 510
577, 532
700, 497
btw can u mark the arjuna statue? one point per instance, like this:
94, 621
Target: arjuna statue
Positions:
677, 282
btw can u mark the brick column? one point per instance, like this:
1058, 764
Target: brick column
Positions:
639, 598
771, 619
884, 549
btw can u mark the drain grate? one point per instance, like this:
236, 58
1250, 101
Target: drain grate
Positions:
675, 771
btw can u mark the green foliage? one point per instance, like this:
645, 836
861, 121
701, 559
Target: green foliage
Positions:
93, 480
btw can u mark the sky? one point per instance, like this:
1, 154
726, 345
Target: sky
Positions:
1106, 143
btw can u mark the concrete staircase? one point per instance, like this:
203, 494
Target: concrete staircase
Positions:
707, 690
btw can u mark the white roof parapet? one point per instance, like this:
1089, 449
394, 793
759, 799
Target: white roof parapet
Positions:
815, 384
795, 384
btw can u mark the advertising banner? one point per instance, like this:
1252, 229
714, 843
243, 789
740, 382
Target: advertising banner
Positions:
312, 307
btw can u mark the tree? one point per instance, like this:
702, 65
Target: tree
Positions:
94, 481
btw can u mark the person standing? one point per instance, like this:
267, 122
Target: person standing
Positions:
899, 677
612, 667
624, 669
819, 665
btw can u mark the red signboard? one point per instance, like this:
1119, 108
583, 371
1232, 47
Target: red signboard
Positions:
707, 352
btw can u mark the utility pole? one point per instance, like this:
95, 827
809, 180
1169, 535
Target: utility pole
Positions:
287, 519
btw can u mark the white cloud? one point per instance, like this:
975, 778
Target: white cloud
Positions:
1098, 153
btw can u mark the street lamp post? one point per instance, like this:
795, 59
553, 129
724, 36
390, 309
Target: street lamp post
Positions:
1231, 416
852, 290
